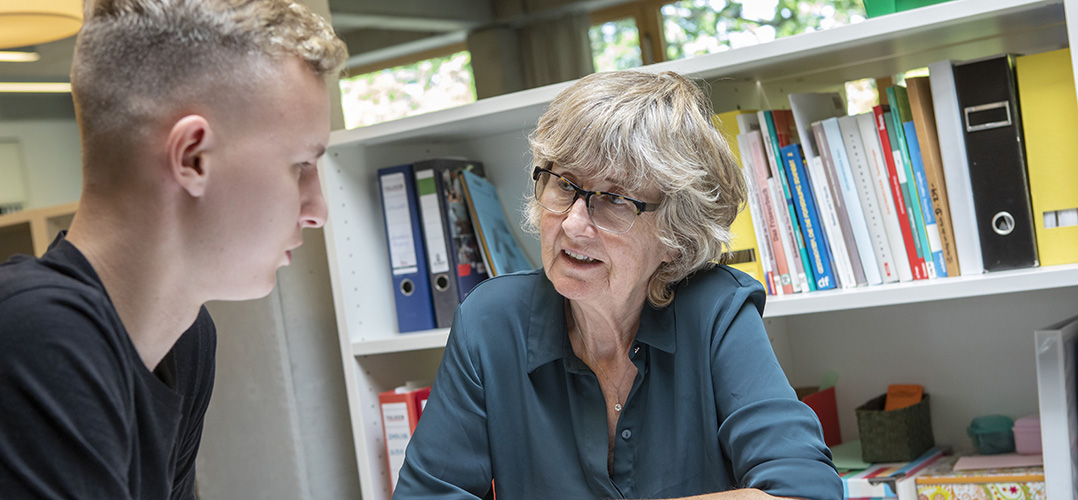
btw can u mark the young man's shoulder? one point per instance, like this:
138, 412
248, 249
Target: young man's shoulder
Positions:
40, 296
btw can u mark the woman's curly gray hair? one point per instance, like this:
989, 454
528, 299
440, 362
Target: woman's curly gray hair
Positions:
648, 131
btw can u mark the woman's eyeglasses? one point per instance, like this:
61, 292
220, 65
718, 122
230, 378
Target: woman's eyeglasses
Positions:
608, 211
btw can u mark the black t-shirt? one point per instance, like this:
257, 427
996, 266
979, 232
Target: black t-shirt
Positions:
81, 416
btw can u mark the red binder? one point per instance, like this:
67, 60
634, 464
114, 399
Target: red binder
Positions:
401, 409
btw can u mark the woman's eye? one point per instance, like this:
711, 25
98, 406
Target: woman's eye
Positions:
614, 199
565, 186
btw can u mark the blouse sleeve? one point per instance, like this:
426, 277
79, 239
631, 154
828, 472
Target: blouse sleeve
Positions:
448, 455
773, 441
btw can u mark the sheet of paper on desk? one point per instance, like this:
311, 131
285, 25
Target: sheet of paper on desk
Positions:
1003, 461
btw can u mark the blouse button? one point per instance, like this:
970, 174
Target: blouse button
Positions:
626, 434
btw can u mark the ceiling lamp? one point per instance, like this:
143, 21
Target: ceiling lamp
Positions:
30, 22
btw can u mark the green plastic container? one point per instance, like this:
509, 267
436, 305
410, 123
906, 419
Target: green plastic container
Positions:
876, 8
992, 434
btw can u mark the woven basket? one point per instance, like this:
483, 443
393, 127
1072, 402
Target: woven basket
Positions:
894, 436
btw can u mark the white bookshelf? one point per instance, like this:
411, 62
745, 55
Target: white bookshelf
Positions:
968, 340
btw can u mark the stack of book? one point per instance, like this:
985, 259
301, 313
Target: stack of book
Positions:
940, 180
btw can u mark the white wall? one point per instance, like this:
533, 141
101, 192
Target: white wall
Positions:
52, 159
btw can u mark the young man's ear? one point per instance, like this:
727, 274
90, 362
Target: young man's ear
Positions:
188, 141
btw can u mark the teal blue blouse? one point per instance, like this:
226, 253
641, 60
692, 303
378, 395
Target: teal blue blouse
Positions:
710, 409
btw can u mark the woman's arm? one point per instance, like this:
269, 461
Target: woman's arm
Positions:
772, 440
449, 455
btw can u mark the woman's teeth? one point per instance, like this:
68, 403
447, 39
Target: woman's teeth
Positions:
576, 256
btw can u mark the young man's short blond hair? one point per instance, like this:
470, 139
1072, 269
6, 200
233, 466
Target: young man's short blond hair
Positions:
648, 132
139, 59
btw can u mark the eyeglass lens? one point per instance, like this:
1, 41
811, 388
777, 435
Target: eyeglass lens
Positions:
608, 211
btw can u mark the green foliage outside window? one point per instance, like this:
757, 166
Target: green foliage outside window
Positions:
696, 27
422, 87
615, 45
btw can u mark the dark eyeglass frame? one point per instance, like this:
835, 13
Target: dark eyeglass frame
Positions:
641, 206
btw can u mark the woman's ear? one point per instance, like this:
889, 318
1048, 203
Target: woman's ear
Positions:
188, 141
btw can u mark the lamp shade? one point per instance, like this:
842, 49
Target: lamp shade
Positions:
30, 22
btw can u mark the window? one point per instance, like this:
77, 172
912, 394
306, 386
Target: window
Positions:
431, 84
697, 27
666, 30
615, 45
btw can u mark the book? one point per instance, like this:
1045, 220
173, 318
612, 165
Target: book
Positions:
866, 193
896, 178
756, 157
833, 188
924, 121
988, 98
400, 410
808, 108
463, 242
955, 167
755, 160
780, 187
897, 96
808, 217
858, 224
501, 252
407, 256
890, 480
881, 183
786, 134
762, 264
744, 253
927, 211
916, 224
1050, 117
1057, 393
759, 207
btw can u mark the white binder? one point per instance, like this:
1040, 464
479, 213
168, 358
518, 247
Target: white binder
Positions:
1057, 391
955, 167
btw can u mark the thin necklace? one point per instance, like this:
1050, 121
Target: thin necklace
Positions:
584, 346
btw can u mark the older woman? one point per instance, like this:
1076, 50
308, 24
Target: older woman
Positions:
629, 366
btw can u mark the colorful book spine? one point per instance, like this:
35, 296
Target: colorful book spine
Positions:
917, 264
898, 97
877, 169
858, 224
808, 217
907, 191
847, 243
931, 229
866, 193
769, 203
801, 272
765, 258
924, 121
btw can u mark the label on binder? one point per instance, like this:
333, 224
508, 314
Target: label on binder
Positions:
398, 224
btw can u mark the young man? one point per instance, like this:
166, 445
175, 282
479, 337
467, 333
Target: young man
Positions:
201, 124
